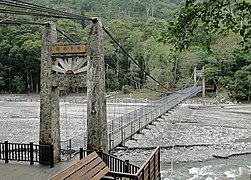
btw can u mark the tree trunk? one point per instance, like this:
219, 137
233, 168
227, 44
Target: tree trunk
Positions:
32, 83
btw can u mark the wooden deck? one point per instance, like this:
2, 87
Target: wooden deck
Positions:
90, 168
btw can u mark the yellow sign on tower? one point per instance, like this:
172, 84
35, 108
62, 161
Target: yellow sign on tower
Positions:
69, 49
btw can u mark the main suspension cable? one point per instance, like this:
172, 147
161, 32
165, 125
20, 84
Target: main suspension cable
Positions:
117, 43
34, 7
65, 35
20, 22
115, 70
16, 12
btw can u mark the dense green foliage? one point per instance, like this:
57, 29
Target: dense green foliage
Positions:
203, 31
220, 30
133, 23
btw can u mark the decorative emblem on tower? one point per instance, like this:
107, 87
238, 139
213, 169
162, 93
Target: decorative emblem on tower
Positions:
69, 64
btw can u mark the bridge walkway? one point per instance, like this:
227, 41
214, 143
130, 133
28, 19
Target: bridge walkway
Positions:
124, 127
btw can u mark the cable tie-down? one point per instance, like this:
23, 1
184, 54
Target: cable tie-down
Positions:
97, 20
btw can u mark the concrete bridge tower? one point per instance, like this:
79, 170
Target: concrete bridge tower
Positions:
73, 65
199, 78
49, 99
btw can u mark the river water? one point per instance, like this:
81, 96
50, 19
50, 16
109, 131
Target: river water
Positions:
235, 167
238, 167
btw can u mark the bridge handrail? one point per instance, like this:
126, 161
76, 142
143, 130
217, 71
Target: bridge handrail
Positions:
115, 164
121, 129
132, 120
149, 170
152, 164
141, 115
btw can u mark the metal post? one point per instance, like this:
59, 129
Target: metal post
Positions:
51, 156
31, 154
140, 123
131, 128
81, 153
159, 162
203, 82
126, 166
6, 149
122, 129
110, 141
195, 76
100, 152
69, 150
112, 125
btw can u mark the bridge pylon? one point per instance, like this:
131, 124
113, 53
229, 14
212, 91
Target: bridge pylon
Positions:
49, 100
97, 135
73, 65
199, 78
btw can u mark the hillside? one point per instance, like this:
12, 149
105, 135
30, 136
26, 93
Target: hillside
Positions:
108, 10
138, 25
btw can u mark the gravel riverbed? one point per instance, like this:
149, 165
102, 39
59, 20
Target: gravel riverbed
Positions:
197, 130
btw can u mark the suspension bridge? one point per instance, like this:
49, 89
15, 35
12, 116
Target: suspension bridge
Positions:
123, 128
82, 65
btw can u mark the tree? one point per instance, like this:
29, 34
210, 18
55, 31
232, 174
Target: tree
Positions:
3, 70
242, 88
240, 84
194, 57
24, 55
72, 29
222, 27
210, 17
18, 84
111, 80
160, 63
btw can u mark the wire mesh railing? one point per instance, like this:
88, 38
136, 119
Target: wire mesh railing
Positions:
71, 146
122, 128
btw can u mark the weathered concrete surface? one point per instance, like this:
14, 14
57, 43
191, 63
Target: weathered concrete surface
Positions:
49, 115
97, 137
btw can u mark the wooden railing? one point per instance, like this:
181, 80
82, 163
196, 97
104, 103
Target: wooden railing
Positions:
149, 170
113, 162
27, 152
123, 169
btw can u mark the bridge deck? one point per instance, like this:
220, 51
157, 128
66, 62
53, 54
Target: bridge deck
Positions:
124, 127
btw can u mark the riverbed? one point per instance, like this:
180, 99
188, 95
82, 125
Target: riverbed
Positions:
194, 137
199, 140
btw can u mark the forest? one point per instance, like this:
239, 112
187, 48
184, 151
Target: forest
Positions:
152, 33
